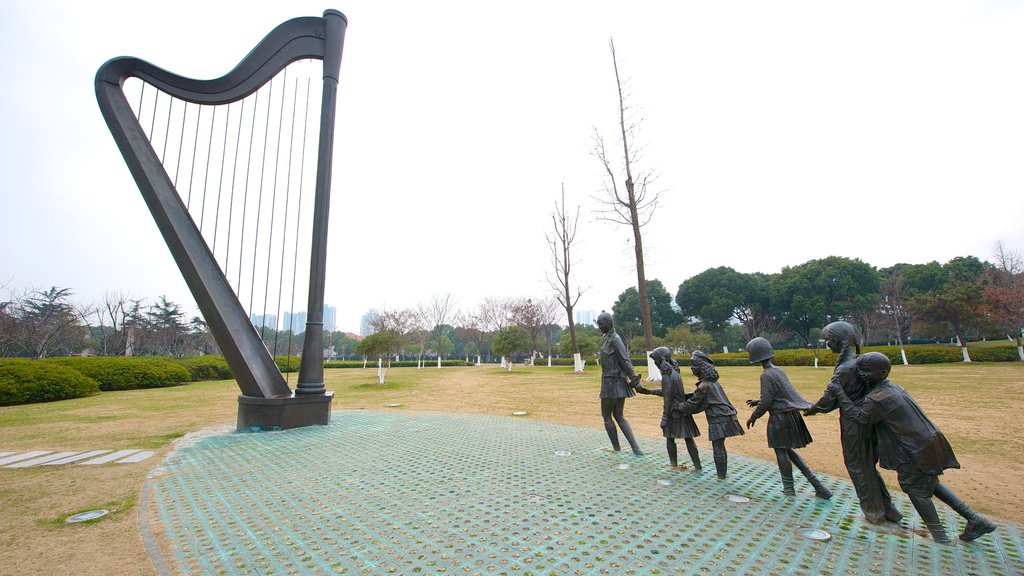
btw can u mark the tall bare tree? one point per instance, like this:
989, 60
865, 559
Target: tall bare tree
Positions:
629, 203
563, 236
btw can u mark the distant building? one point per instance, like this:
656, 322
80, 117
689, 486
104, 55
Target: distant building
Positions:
585, 316
264, 320
330, 318
296, 322
366, 322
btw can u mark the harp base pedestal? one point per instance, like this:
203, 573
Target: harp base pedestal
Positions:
257, 414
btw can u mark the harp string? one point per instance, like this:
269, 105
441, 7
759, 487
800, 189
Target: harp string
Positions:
257, 222
302, 166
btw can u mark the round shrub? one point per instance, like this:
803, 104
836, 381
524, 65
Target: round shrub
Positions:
127, 373
24, 381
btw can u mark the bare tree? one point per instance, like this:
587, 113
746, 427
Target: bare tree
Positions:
530, 316
630, 204
549, 312
401, 322
1004, 293
893, 305
564, 235
439, 311
471, 328
421, 330
113, 317
43, 323
497, 314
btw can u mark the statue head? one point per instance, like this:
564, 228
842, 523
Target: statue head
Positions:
702, 366
604, 322
873, 368
839, 336
759, 349
661, 354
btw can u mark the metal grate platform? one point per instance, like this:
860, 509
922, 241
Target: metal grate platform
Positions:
418, 493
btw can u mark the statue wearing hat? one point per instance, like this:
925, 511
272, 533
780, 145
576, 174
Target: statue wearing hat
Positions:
786, 428
909, 443
859, 451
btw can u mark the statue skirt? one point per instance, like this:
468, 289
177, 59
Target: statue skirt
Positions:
788, 430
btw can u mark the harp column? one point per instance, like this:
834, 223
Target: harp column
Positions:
311, 368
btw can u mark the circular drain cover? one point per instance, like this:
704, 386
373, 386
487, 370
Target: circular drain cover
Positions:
664, 482
813, 534
90, 515
392, 405
563, 453
519, 413
737, 498
622, 466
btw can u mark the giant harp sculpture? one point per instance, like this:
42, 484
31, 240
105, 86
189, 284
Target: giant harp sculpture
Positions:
222, 164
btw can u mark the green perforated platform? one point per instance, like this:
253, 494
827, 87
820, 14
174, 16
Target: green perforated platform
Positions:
417, 493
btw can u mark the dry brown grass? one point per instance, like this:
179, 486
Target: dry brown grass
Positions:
977, 406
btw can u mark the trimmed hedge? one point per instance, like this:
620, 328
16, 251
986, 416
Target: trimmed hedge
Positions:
207, 368
24, 381
400, 364
126, 373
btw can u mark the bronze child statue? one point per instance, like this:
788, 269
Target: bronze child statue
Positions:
615, 388
673, 424
859, 453
910, 444
786, 428
710, 398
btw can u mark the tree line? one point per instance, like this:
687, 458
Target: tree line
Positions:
961, 300
958, 301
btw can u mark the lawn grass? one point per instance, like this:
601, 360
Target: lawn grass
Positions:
976, 405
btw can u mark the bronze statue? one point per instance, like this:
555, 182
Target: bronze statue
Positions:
673, 424
909, 443
710, 398
786, 428
615, 388
859, 451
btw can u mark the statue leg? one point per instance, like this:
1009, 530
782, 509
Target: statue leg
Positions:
607, 406
819, 489
855, 456
691, 447
721, 457
673, 454
926, 508
619, 417
977, 525
786, 470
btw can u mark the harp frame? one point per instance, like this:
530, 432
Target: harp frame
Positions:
266, 402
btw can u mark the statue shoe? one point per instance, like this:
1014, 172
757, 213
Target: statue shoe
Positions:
977, 528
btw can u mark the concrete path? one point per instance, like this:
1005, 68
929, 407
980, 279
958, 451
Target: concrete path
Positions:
417, 493
51, 458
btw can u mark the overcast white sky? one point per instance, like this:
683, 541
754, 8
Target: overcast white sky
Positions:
780, 131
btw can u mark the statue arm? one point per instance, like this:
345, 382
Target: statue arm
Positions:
828, 401
767, 395
623, 359
694, 403
860, 412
